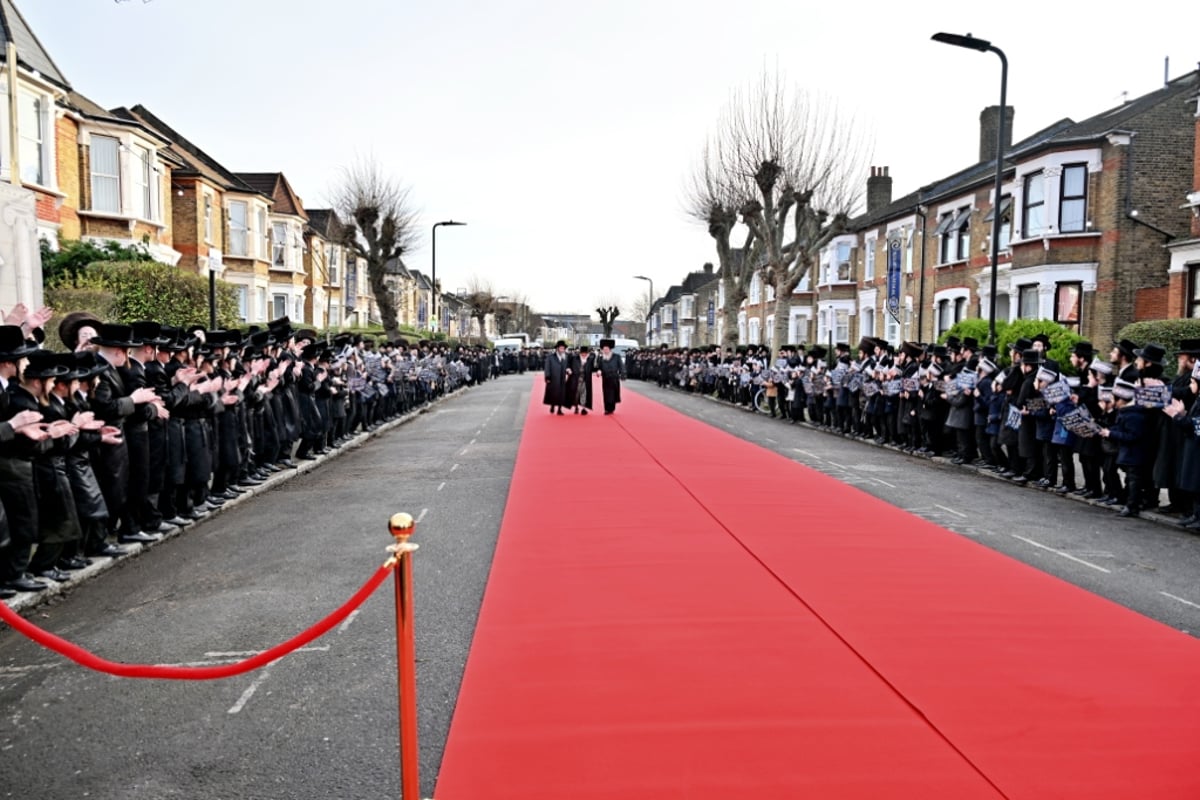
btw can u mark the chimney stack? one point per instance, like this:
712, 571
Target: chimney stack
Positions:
879, 189
708, 268
989, 119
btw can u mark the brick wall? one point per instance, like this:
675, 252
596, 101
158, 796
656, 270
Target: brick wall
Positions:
70, 180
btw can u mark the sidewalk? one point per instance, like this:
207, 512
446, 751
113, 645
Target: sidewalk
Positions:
1150, 516
102, 564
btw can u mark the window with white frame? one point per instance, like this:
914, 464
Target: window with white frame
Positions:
687, 307
334, 258
262, 304
335, 314
243, 301
1033, 206
31, 118
143, 169
238, 228
771, 330
869, 270
741, 326
946, 239
1072, 203
963, 234
841, 330
945, 316
891, 328
908, 252
755, 289
104, 155
960, 309
263, 235
299, 306
1027, 301
845, 271
755, 330
279, 244
1005, 220
1068, 302
867, 321
208, 217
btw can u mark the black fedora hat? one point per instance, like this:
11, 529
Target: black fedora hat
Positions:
1084, 350
970, 343
1126, 348
113, 335
13, 344
84, 365
1151, 353
148, 332
45, 364
1189, 347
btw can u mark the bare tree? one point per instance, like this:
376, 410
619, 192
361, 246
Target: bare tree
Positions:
641, 308
713, 198
481, 301
378, 224
608, 313
799, 163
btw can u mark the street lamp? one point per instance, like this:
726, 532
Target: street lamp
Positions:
984, 46
433, 272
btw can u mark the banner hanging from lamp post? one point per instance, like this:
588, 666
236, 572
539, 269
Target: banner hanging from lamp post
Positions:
894, 253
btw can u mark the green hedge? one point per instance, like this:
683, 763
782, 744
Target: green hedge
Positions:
1166, 332
65, 299
1062, 340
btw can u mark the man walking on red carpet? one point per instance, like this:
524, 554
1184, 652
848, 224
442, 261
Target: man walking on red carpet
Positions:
612, 372
557, 371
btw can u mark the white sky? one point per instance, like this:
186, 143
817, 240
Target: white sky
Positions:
563, 132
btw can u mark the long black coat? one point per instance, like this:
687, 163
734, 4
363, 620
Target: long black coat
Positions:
85, 487
57, 522
579, 385
1170, 442
556, 380
611, 372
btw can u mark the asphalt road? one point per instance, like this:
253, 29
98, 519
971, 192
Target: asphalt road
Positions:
321, 723
1148, 567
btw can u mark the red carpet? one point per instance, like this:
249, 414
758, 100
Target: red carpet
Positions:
675, 613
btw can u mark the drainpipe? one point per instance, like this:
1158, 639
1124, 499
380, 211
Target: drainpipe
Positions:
921, 212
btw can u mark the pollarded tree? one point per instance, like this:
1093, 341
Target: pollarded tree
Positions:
799, 163
378, 225
608, 313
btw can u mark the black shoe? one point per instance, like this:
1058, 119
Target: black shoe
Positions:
54, 574
1043, 483
1126, 511
1110, 501
197, 513
287, 463
177, 521
74, 562
306, 458
25, 584
1170, 509
1186, 521
137, 538
108, 551
212, 501
1065, 489
584, 412
560, 412
7, 593
1021, 479
1008, 474
957, 461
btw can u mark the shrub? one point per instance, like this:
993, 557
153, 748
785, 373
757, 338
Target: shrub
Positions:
976, 328
67, 265
1062, 340
65, 299
1166, 332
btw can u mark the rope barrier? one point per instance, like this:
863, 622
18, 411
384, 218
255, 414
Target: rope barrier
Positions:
94, 662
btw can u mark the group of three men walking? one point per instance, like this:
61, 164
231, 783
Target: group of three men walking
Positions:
569, 378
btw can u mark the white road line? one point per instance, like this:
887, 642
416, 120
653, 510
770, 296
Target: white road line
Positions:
441, 486
806, 453
454, 467
349, 619
473, 441
769, 439
839, 466
318, 648
421, 516
950, 511
463, 452
1180, 599
885, 483
250, 690
1064, 555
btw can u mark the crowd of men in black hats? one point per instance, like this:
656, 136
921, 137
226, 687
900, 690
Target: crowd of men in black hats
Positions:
139, 428
1130, 433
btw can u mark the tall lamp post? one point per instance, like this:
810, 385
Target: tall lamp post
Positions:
984, 46
649, 306
434, 319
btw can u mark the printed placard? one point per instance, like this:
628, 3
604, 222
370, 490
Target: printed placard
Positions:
1013, 420
1152, 396
910, 385
1056, 392
1080, 423
967, 380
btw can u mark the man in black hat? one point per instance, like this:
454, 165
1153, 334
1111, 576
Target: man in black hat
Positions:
612, 372
1122, 358
1168, 471
579, 386
557, 370
120, 405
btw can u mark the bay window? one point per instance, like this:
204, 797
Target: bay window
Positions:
238, 229
1033, 206
1072, 206
105, 163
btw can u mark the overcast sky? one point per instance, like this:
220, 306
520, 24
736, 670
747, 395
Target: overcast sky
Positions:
563, 132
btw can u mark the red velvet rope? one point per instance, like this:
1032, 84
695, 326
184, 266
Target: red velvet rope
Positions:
93, 662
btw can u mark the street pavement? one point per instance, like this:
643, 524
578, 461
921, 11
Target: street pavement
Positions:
322, 723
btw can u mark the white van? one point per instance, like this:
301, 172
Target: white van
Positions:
508, 344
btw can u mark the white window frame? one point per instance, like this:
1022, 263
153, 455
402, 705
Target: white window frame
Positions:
93, 175
279, 242
869, 269
239, 234
142, 174
208, 217
38, 141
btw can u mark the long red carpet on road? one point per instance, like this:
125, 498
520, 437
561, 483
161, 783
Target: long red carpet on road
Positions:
673, 612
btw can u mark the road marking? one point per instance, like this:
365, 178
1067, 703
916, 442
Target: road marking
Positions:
454, 468
441, 486
772, 441
463, 452
1180, 599
950, 510
478, 432
250, 690
839, 466
885, 483
806, 453
1061, 553
421, 516
473, 441
349, 619
320, 648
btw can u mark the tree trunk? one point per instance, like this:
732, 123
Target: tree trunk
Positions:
783, 313
733, 304
384, 300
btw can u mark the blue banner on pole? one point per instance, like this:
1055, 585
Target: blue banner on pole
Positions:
894, 254
712, 314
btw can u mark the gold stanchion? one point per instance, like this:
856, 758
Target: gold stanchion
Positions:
401, 526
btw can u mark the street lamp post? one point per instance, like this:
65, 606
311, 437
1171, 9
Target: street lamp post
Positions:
649, 306
984, 46
434, 319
